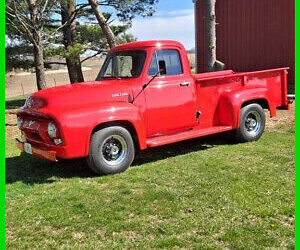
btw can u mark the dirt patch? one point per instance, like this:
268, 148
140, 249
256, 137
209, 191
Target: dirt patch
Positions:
11, 129
282, 120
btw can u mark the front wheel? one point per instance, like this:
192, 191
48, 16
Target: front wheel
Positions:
252, 123
111, 150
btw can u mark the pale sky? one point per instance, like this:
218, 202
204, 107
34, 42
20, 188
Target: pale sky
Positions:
174, 20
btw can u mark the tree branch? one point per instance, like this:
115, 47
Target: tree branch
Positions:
89, 57
58, 63
51, 34
26, 29
44, 8
14, 25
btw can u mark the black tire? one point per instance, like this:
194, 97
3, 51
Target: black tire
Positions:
252, 123
111, 150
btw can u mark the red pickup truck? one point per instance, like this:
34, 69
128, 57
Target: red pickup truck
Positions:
146, 96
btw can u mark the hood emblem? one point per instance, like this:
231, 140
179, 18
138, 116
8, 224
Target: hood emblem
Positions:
119, 95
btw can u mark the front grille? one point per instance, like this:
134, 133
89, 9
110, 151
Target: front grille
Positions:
36, 129
34, 136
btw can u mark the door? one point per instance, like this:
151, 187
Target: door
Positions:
170, 98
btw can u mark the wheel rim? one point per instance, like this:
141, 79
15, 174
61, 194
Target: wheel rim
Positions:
253, 122
114, 150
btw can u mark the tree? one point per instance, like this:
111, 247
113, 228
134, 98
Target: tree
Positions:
212, 64
126, 11
81, 35
26, 18
67, 30
90, 41
18, 56
103, 23
68, 17
93, 38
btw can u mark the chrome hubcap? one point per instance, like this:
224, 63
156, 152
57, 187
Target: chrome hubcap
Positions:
114, 150
253, 122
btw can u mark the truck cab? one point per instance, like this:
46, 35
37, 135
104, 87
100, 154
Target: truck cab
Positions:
145, 95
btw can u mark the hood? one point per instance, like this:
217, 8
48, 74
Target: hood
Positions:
82, 94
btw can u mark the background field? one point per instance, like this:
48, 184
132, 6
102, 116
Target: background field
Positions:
206, 193
20, 83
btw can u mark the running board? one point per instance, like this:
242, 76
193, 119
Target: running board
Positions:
167, 139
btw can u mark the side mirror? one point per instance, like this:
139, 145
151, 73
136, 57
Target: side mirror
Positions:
162, 67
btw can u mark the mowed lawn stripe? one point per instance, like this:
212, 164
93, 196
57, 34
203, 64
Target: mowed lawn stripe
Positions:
202, 193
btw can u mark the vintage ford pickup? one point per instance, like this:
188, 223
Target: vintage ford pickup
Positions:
146, 96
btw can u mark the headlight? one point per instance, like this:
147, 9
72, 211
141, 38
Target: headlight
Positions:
52, 130
19, 122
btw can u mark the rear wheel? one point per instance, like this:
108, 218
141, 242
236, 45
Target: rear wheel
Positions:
111, 150
252, 123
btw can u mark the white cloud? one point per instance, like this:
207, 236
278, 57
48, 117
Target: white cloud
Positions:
171, 25
181, 12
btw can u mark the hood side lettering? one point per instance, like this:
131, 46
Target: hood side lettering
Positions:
119, 95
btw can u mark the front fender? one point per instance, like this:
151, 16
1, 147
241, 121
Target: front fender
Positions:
77, 123
230, 104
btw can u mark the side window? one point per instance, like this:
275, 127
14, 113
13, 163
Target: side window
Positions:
171, 60
168, 62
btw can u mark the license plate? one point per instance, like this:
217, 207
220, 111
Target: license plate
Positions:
27, 148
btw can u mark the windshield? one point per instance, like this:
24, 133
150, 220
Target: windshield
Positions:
125, 64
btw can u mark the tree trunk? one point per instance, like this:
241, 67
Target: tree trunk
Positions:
37, 45
211, 57
69, 33
39, 63
110, 37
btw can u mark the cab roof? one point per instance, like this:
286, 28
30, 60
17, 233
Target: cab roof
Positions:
146, 44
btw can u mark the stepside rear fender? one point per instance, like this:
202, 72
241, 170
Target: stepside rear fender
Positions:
231, 102
77, 124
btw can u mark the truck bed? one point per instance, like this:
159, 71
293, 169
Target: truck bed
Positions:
273, 80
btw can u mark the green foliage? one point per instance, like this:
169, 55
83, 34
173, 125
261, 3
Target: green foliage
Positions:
129, 9
89, 37
73, 51
14, 63
94, 39
70, 52
18, 57
92, 36
125, 38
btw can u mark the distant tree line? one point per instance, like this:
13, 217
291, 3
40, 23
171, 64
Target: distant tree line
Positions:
37, 30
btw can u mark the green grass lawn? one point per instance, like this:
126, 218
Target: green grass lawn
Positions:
14, 103
203, 193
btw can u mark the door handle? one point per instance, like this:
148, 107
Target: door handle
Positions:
185, 84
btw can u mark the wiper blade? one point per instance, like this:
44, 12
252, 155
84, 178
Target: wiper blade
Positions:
115, 76
110, 76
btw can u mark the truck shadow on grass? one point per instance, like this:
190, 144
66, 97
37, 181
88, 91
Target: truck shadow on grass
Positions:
30, 170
